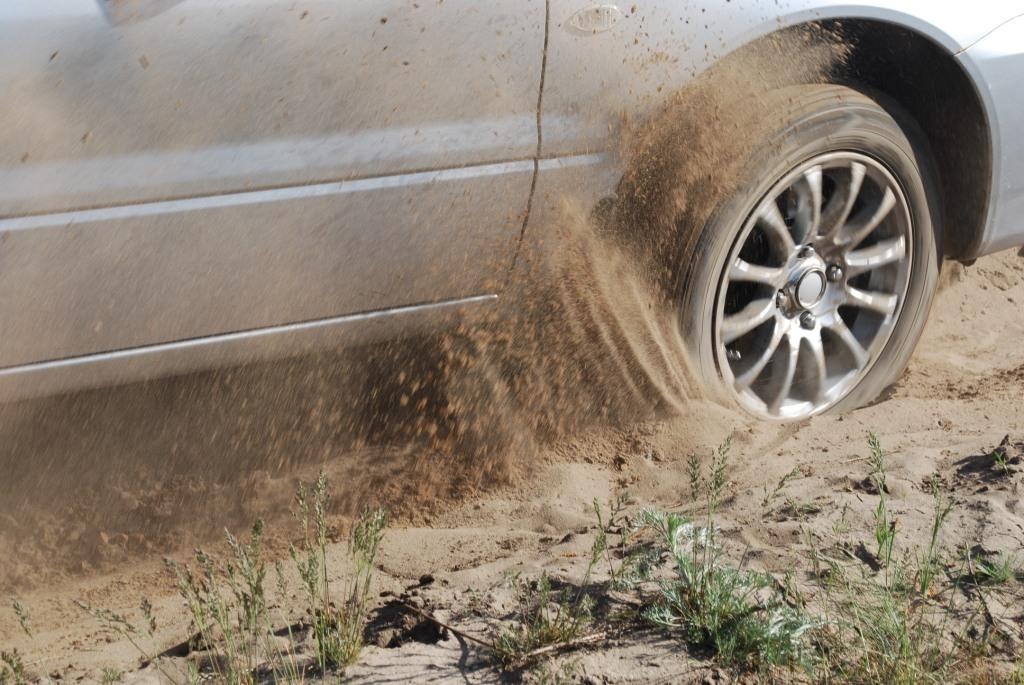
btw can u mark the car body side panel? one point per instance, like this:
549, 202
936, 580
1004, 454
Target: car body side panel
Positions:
998, 61
229, 165
114, 278
594, 79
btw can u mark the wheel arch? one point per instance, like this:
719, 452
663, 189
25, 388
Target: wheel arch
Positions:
932, 86
915, 65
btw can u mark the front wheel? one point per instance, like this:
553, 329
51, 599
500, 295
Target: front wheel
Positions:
809, 285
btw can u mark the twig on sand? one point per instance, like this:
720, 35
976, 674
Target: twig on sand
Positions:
422, 614
540, 651
568, 644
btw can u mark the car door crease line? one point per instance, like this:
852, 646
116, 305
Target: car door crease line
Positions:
248, 333
540, 140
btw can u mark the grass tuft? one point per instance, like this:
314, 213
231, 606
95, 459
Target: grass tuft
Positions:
230, 615
721, 609
22, 614
109, 676
738, 616
338, 630
998, 571
543, 618
929, 562
12, 668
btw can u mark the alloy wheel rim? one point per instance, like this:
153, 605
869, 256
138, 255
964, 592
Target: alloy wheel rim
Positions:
813, 286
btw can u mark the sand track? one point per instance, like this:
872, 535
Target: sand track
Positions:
963, 392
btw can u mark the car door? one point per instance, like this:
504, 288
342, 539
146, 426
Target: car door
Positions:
177, 169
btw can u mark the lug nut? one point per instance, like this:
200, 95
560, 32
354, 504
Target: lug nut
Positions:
807, 320
806, 251
781, 299
834, 273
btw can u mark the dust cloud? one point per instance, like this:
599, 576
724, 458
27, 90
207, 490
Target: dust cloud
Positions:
589, 335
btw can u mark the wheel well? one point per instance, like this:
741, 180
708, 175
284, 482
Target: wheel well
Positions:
931, 86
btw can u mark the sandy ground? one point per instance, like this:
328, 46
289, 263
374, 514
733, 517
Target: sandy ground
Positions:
963, 393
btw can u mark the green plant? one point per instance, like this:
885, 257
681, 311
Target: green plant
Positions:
878, 634
12, 668
117, 623
842, 525
693, 472
770, 497
928, 562
885, 524
338, 631
214, 616
717, 607
245, 576
543, 618
739, 616
999, 458
108, 676
997, 571
1017, 676
634, 562
22, 614
546, 619
798, 510
881, 629
228, 606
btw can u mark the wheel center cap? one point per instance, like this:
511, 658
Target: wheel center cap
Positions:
810, 288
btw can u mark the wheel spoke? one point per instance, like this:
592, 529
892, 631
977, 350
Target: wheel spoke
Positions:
788, 372
747, 378
755, 273
861, 226
817, 346
883, 303
846, 336
879, 254
808, 213
776, 228
747, 319
834, 215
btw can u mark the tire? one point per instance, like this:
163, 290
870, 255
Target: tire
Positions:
827, 133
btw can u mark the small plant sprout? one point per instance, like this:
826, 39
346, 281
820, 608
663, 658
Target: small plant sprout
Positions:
885, 524
997, 571
548, 620
544, 618
842, 525
770, 497
1000, 460
120, 624
12, 668
109, 676
22, 614
928, 562
338, 631
876, 462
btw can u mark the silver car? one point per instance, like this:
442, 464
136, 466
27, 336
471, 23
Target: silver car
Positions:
187, 184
